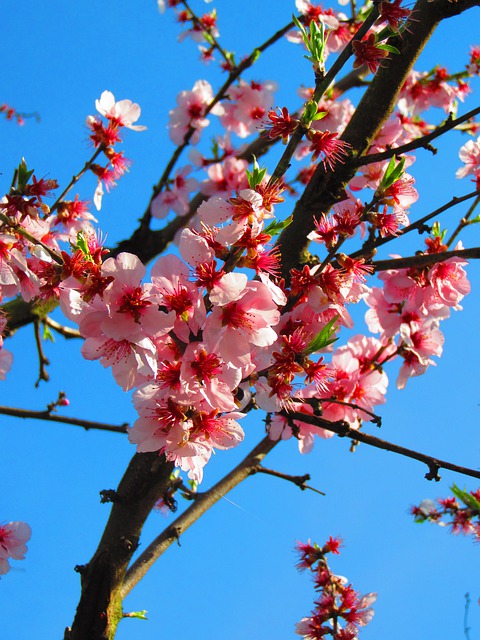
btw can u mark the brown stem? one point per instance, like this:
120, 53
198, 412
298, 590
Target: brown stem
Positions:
43, 361
426, 259
343, 429
202, 503
418, 143
52, 417
100, 608
298, 481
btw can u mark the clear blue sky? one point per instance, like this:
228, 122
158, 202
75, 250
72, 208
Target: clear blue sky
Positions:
233, 576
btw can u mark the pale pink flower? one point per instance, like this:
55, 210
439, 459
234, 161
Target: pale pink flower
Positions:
190, 112
176, 198
132, 362
225, 177
6, 360
207, 378
232, 330
13, 536
470, 155
249, 104
133, 310
174, 291
123, 112
449, 281
417, 347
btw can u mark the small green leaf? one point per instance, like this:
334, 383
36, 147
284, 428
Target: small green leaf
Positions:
141, 615
275, 227
23, 175
466, 498
256, 176
255, 55
82, 244
311, 110
388, 47
392, 173
47, 334
323, 338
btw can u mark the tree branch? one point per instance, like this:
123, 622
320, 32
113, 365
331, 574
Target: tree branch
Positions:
344, 430
51, 417
425, 259
418, 143
298, 481
203, 502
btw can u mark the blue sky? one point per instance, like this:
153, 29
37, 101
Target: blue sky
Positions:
233, 575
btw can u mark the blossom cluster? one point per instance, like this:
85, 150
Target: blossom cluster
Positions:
339, 609
13, 538
460, 512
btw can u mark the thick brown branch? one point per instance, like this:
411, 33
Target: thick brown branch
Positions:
202, 503
100, 609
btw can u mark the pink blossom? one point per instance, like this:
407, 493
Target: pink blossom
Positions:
191, 112
225, 177
173, 290
416, 349
470, 155
123, 113
132, 362
177, 197
248, 107
13, 537
232, 329
132, 307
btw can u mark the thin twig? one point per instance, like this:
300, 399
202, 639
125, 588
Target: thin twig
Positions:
43, 361
425, 259
423, 141
419, 225
464, 221
466, 628
66, 332
77, 177
299, 481
51, 417
343, 429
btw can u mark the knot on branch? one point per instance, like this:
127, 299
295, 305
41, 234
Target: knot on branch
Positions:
109, 495
344, 429
128, 544
81, 569
433, 468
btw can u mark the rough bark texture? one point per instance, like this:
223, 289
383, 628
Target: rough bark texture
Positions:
100, 609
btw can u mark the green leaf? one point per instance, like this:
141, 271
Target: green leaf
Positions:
436, 232
388, 47
47, 334
82, 244
392, 173
275, 227
323, 338
23, 175
311, 110
256, 176
466, 498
